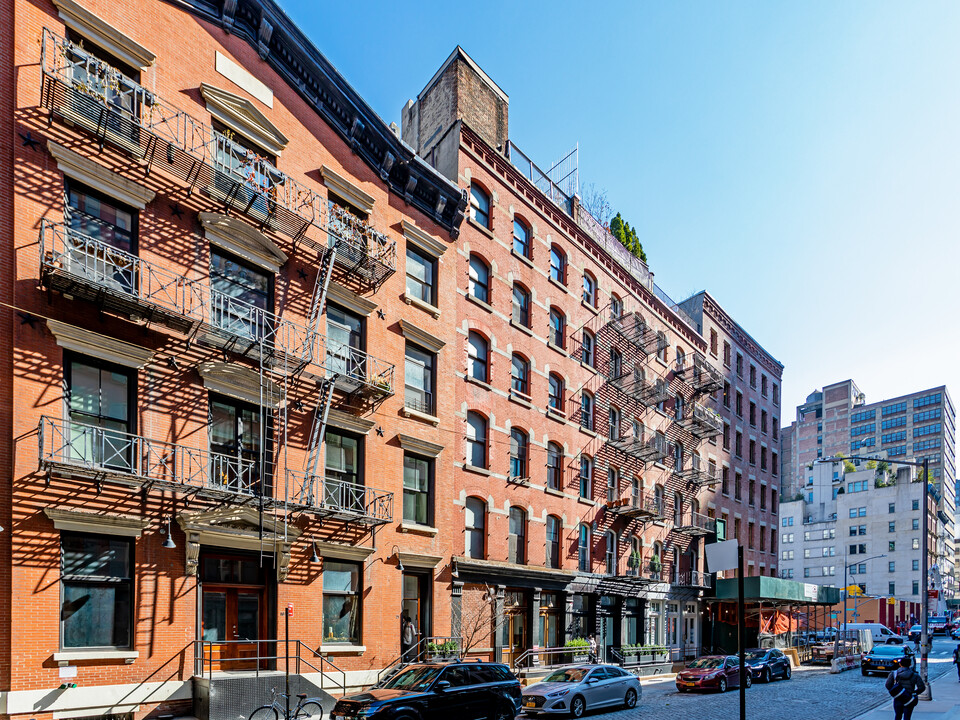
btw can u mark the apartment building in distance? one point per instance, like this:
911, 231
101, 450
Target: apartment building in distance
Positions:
869, 521
220, 270
744, 459
838, 420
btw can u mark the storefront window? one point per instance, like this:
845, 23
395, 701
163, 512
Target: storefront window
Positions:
341, 603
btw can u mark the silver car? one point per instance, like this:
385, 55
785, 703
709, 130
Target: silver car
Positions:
577, 688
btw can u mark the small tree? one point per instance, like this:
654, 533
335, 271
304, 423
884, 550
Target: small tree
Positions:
594, 200
849, 466
478, 617
627, 236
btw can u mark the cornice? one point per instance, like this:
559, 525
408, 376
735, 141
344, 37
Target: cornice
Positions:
284, 47
712, 308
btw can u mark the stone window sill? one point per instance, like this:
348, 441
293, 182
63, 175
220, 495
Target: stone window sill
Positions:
342, 649
521, 328
481, 303
556, 415
423, 417
425, 306
556, 348
73, 655
560, 285
522, 258
590, 307
417, 528
520, 400
477, 470
482, 228
481, 383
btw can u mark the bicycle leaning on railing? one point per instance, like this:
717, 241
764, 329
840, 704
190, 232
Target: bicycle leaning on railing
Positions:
307, 708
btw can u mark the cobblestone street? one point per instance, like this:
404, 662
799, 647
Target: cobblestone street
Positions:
812, 694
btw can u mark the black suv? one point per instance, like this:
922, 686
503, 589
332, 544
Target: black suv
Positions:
438, 691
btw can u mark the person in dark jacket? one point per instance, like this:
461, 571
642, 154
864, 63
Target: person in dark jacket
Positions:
956, 659
904, 684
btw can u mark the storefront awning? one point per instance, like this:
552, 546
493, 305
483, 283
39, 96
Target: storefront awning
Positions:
504, 573
760, 588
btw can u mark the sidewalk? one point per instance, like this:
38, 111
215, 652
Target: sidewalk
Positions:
944, 706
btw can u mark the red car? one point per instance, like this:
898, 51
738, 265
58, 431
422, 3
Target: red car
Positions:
712, 672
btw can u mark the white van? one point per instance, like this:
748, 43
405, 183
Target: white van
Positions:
881, 635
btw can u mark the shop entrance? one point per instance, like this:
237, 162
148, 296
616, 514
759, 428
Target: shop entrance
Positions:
515, 630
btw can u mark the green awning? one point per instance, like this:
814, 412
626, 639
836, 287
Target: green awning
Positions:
777, 590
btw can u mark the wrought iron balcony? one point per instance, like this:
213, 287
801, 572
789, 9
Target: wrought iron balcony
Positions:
701, 422
694, 523
640, 507
649, 448
693, 579
339, 499
699, 474
701, 375
653, 393
355, 371
632, 328
86, 92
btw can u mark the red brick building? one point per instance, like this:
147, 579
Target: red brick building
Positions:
218, 263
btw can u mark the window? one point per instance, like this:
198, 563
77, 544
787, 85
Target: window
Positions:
479, 282
726, 436
613, 423
521, 238
517, 537
616, 308
476, 439
479, 205
915, 505
554, 466
558, 265
555, 393
475, 528
588, 349
421, 276
892, 526
417, 489
610, 552
237, 441
915, 524
662, 347
726, 353
558, 328
613, 484
775, 389
520, 375
763, 497
753, 376
739, 365
586, 410
418, 379
521, 305
586, 477
100, 402
752, 455
774, 464
96, 584
892, 588
739, 405
583, 548
726, 394
240, 295
519, 453
738, 446
916, 588
763, 421
725, 484
677, 456
714, 341
751, 488
345, 343
775, 427
891, 546
915, 563
589, 289
477, 356
738, 487
554, 527
891, 566
103, 219
341, 602
681, 359
753, 414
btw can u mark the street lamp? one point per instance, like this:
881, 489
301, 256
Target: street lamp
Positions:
924, 543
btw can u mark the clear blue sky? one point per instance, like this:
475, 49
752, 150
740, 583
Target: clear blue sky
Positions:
799, 160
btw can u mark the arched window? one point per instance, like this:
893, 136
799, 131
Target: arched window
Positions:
586, 477
519, 453
555, 393
521, 238
677, 509
678, 407
558, 265
635, 556
616, 307
616, 363
656, 560
477, 356
586, 410
681, 359
475, 528
661, 347
520, 375
588, 349
479, 279
589, 289
554, 531
554, 466
558, 328
658, 498
613, 423
479, 205
583, 548
678, 456
517, 537
610, 552
521, 305
476, 439
635, 492
613, 484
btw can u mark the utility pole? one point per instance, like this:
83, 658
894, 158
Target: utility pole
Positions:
741, 634
925, 612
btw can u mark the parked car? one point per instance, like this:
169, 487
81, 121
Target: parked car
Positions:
579, 688
914, 633
955, 633
712, 672
884, 658
881, 633
461, 690
768, 663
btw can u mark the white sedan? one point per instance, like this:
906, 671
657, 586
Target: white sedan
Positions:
579, 688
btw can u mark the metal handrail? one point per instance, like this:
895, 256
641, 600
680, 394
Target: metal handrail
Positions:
235, 173
697, 521
340, 496
204, 660
416, 654
526, 658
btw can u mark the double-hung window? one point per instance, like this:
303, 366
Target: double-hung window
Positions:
417, 489
100, 402
241, 296
421, 276
419, 379
341, 602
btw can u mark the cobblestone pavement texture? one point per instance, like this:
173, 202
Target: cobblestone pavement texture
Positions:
811, 694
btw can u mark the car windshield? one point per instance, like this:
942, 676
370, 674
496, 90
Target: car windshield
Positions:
915, 627
753, 655
887, 650
706, 663
568, 675
415, 678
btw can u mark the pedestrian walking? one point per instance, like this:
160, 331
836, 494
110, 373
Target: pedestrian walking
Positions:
904, 684
408, 636
593, 649
956, 660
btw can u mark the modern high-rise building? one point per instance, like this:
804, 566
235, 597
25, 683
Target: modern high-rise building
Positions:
838, 420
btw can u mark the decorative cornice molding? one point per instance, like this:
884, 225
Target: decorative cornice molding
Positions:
304, 68
348, 422
339, 551
422, 240
242, 116
349, 191
343, 296
243, 240
82, 521
97, 176
102, 33
421, 337
70, 337
416, 560
712, 308
419, 446
238, 382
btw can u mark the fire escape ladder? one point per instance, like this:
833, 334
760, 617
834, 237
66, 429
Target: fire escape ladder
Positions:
319, 426
319, 301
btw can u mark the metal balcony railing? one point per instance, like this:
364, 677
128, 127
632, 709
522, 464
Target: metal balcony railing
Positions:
693, 578
694, 523
418, 399
701, 422
699, 474
631, 328
340, 499
87, 92
701, 375
639, 506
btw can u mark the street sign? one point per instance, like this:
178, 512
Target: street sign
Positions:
891, 601
933, 594
721, 555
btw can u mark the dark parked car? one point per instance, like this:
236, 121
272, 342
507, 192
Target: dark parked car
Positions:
712, 672
438, 691
767, 664
914, 634
884, 658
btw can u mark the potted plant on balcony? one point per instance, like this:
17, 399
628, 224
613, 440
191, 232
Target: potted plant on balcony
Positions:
634, 561
578, 649
655, 566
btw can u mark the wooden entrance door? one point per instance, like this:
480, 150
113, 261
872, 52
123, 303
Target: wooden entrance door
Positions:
233, 623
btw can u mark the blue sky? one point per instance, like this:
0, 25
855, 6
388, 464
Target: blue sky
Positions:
799, 160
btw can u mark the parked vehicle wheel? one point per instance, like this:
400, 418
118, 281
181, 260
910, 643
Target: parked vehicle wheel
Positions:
630, 700
578, 706
722, 685
267, 712
864, 672
787, 672
765, 675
